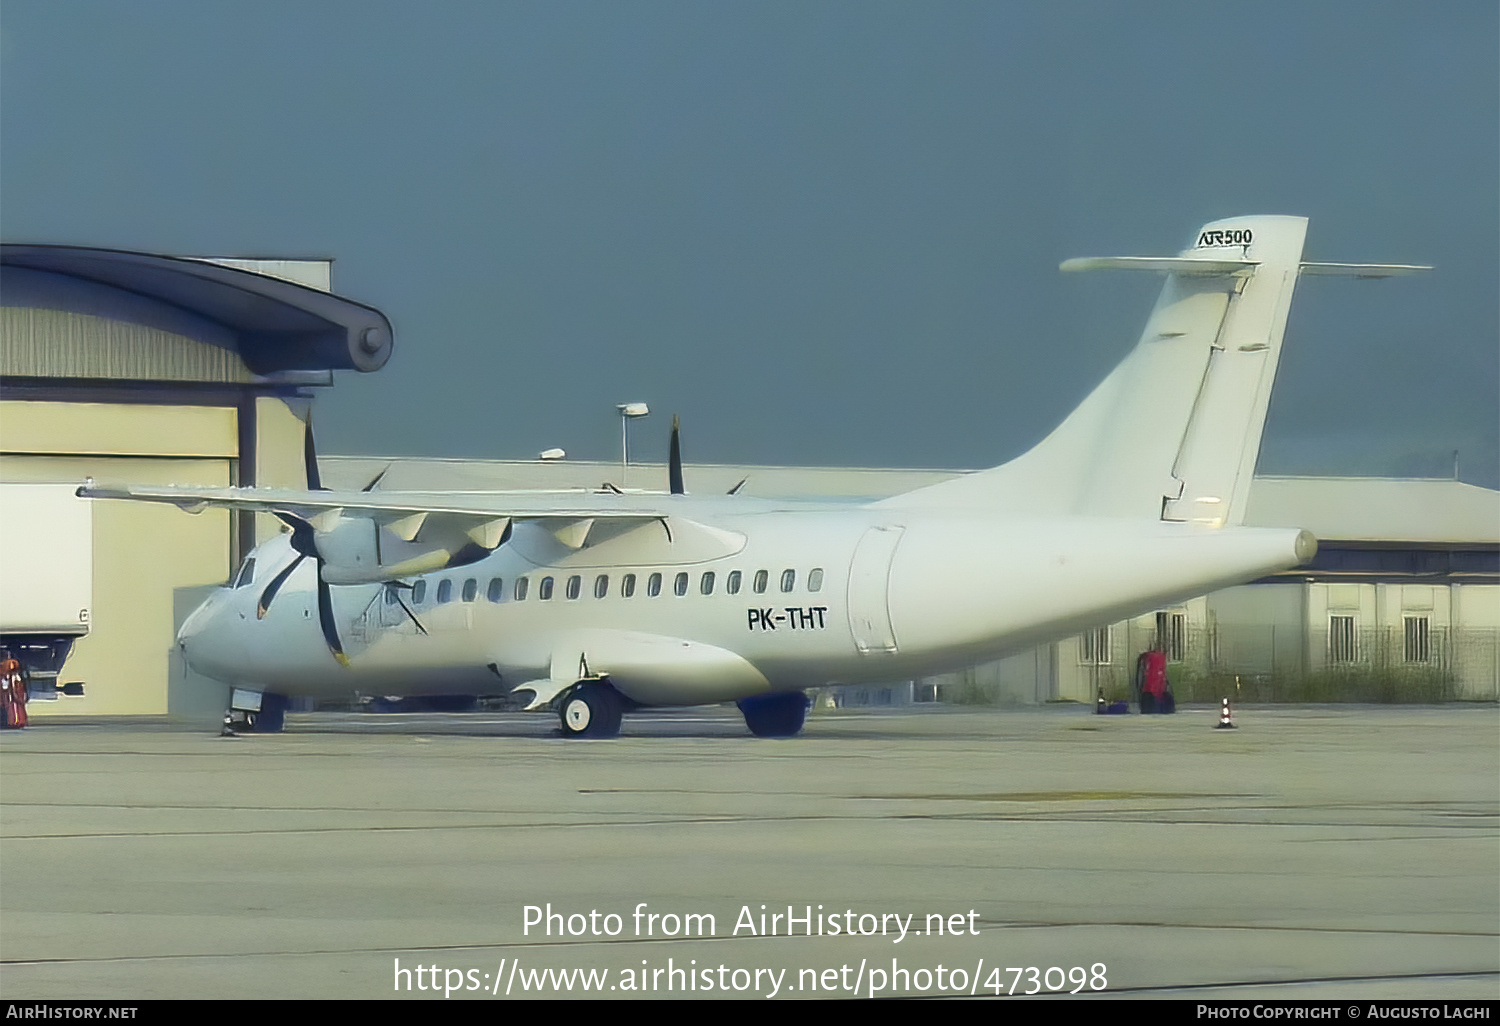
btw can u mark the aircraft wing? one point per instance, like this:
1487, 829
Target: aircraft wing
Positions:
391, 507
420, 532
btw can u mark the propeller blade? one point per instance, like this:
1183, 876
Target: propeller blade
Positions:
302, 533
264, 605
396, 587
674, 460
310, 458
376, 480
325, 619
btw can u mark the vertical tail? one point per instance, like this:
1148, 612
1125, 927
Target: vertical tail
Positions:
1174, 431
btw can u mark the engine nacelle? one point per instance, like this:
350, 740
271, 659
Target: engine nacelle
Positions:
357, 550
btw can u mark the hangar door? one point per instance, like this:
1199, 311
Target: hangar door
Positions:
149, 561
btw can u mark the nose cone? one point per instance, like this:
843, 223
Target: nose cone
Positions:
194, 622
205, 639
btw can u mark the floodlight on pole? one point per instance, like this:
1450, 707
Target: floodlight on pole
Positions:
628, 411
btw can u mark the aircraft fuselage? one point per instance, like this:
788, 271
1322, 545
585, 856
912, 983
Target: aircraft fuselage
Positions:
753, 603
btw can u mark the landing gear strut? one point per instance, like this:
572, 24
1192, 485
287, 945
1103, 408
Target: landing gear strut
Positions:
592, 709
775, 715
269, 719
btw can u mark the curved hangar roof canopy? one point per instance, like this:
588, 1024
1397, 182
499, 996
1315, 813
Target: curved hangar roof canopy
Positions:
276, 325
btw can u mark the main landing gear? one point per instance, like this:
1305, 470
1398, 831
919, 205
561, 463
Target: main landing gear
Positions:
591, 709
775, 715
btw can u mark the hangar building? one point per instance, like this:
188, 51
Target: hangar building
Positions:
130, 367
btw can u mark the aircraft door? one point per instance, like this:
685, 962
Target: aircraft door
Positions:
869, 596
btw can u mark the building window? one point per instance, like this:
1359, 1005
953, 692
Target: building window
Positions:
815, 581
627, 586
1094, 647
521, 588
653, 585
1417, 647
544, 590
1341, 639
445, 590
471, 589
679, 586
1176, 639
601, 586
788, 580
732, 582
760, 581
496, 590
575, 586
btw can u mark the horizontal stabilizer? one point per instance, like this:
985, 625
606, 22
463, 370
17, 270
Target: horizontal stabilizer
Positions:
1364, 270
1169, 265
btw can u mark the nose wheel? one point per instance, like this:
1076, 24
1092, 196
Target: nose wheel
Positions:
591, 709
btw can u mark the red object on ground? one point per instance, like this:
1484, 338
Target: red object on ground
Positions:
1154, 674
12, 695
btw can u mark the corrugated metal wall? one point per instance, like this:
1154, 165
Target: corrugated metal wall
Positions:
61, 344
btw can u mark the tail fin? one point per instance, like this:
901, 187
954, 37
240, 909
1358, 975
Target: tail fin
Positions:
1174, 431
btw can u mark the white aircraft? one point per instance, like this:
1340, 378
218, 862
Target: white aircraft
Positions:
597, 603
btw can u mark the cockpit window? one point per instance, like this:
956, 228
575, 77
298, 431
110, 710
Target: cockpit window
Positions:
246, 574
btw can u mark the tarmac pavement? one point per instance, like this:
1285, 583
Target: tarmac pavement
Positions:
1334, 852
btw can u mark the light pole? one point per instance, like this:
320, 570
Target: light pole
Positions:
628, 411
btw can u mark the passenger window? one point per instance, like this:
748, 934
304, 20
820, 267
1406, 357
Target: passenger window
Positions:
390, 594
732, 582
445, 591
706, 583
247, 572
788, 580
627, 586
760, 582
471, 588
653, 585
419, 592
521, 583
815, 580
544, 590
575, 586
679, 586
497, 590
601, 586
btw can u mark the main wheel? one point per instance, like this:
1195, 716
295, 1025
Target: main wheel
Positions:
590, 710
775, 715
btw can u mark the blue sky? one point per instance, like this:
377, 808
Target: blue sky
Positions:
821, 232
